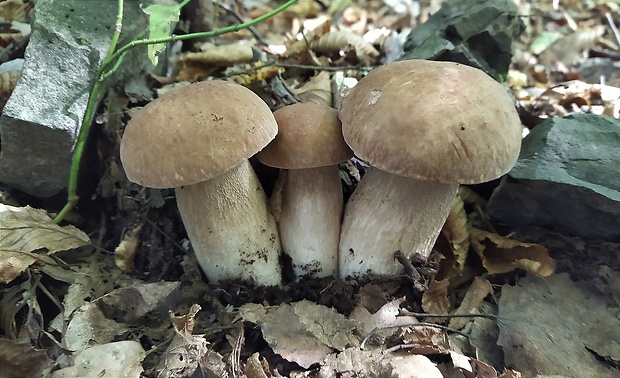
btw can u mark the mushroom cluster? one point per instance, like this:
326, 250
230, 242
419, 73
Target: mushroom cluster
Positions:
424, 128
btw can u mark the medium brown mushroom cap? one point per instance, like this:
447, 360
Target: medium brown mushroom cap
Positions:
438, 121
309, 136
195, 133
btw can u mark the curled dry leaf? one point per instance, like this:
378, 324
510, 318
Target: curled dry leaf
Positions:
337, 40
187, 351
456, 233
196, 65
426, 340
256, 368
317, 90
301, 45
29, 235
500, 254
125, 252
470, 197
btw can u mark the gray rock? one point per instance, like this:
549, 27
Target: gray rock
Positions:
41, 120
476, 33
567, 177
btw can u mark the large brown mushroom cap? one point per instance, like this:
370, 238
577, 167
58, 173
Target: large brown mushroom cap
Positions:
438, 121
194, 134
309, 136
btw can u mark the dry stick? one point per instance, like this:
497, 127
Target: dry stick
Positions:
322, 68
432, 325
420, 314
613, 27
424, 315
235, 14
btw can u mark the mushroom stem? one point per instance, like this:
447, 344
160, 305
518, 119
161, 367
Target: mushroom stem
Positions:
309, 220
231, 229
388, 213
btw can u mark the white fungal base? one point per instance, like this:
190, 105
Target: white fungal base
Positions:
309, 219
389, 213
233, 233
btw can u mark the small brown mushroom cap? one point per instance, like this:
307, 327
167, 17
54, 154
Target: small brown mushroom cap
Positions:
194, 134
309, 136
437, 121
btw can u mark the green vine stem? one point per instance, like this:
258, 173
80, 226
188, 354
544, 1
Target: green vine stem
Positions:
110, 63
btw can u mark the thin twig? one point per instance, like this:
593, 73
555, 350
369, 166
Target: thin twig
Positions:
613, 27
239, 18
322, 68
158, 229
432, 325
424, 315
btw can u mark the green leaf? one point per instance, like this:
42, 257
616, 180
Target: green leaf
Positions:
161, 18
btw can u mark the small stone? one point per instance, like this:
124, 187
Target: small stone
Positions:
567, 178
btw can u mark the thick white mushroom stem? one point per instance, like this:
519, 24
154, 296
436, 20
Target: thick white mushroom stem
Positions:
309, 219
388, 213
233, 233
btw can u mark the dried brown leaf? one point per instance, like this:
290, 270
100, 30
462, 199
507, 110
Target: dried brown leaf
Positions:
435, 299
569, 49
476, 293
125, 252
23, 360
303, 9
303, 44
286, 334
456, 233
17, 33
28, 234
426, 340
318, 90
15, 10
196, 65
255, 368
327, 325
500, 254
337, 40
187, 351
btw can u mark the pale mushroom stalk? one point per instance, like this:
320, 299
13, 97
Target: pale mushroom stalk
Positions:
308, 205
229, 213
388, 213
309, 216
